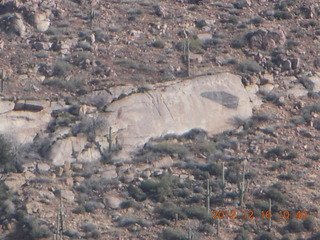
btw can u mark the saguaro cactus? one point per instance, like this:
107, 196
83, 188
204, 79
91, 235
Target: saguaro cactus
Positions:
186, 52
242, 186
269, 223
208, 195
190, 234
222, 184
2, 79
109, 139
60, 222
92, 15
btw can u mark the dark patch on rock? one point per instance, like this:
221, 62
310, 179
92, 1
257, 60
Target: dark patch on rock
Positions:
226, 99
27, 107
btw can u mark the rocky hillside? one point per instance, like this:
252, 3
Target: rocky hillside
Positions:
129, 119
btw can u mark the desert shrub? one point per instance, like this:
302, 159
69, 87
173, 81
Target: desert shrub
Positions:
206, 228
71, 233
211, 42
309, 223
127, 204
173, 234
91, 206
159, 190
286, 177
314, 157
95, 234
30, 228
137, 193
71, 84
200, 174
88, 227
196, 211
195, 45
262, 205
295, 226
282, 14
315, 236
84, 45
281, 152
128, 63
243, 235
79, 210
266, 236
183, 193
195, 199
9, 159
200, 23
308, 110
61, 68
249, 66
291, 45
239, 42
276, 195
169, 211
278, 166
168, 148
158, 44
257, 20
164, 222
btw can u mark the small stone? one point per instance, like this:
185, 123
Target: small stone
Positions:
286, 65
68, 195
42, 168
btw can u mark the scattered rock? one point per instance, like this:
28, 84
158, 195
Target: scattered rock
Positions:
112, 202
266, 78
266, 40
160, 11
41, 21
68, 195
266, 89
286, 65
43, 168
109, 173
33, 207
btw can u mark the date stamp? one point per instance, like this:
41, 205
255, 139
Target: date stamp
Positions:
258, 215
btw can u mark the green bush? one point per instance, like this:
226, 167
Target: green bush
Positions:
309, 223
276, 195
71, 84
243, 235
159, 190
286, 177
61, 68
158, 44
239, 42
295, 226
196, 211
8, 155
257, 20
169, 211
168, 148
282, 15
266, 236
174, 234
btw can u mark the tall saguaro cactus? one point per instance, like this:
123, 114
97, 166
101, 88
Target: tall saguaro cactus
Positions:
269, 222
208, 195
60, 222
109, 139
222, 184
3, 77
186, 52
92, 15
242, 185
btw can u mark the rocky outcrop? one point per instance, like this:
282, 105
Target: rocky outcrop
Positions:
266, 40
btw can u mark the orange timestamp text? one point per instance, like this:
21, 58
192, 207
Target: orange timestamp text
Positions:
258, 215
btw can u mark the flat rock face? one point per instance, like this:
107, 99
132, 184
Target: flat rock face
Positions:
207, 102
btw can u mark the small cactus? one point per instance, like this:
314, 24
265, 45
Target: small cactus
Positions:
242, 186
92, 15
222, 184
3, 77
208, 195
109, 139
